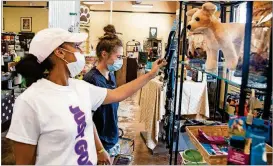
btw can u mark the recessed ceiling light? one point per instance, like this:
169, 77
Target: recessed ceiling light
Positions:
142, 5
93, 2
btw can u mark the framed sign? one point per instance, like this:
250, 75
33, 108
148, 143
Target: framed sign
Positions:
85, 15
26, 24
153, 32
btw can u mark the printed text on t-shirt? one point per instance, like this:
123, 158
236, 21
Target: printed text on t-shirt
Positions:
81, 145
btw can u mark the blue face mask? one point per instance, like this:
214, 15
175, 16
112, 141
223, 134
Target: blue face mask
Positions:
116, 66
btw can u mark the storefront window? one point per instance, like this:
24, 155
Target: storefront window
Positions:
241, 13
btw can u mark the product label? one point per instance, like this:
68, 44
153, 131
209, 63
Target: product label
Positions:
237, 156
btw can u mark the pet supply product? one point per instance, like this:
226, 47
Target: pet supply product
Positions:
218, 140
222, 130
123, 160
259, 127
192, 155
188, 162
237, 126
258, 154
238, 151
213, 149
197, 76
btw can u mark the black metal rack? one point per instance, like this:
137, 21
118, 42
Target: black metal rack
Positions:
244, 87
134, 45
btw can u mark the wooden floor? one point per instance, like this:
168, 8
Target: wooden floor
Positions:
130, 115
132, 128
142, 155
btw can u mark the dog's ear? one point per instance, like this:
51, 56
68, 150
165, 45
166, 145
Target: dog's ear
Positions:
209, 7
191, 12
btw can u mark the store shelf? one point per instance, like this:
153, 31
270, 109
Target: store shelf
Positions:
222, 74
6, 77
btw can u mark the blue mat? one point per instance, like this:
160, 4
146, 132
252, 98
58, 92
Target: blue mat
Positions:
184, 142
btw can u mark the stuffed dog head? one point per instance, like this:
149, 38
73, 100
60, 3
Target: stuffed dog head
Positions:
201, 18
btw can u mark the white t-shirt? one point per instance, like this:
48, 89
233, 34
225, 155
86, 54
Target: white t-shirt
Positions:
58, 120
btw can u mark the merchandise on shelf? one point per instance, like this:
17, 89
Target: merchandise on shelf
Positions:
249, 135
169, 80
11, 54
9, 39
192, 157
260, 44
154, 48
197, 47
215, 145
256, 102
259, 56
25, 39
132, 49
255, 80
227, 37
238, 151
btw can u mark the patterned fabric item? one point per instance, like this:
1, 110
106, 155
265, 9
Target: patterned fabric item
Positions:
127, 146
114, 151
152, 102
7, 102
152, 110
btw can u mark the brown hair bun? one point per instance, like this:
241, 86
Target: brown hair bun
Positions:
109, 29
109, 42
110, 32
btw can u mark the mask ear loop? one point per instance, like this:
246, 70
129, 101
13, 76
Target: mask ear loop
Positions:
63, 58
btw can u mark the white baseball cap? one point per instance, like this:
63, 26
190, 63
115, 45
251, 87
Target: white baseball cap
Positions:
47, 40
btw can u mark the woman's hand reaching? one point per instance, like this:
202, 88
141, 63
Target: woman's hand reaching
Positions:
104, 158
132, 87
156, 66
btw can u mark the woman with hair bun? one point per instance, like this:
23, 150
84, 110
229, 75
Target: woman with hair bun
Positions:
109, 52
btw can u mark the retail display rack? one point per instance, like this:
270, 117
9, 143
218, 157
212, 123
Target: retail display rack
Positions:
244, 82
132, 48
13, 47
154, 48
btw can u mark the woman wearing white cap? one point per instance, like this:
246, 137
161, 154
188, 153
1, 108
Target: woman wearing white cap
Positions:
52, 122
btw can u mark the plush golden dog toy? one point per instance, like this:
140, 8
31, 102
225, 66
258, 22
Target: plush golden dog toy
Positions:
227, 37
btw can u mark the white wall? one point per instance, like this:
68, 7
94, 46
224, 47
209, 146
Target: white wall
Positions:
132, 25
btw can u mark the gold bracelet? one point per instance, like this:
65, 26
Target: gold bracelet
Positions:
101, 151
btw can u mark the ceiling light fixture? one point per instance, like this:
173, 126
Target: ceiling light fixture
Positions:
93, 2
142, 5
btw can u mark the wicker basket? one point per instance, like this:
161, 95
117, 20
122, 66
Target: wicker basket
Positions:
216, 131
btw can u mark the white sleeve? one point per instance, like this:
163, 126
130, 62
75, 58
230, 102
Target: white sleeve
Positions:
25, 126
97, 96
